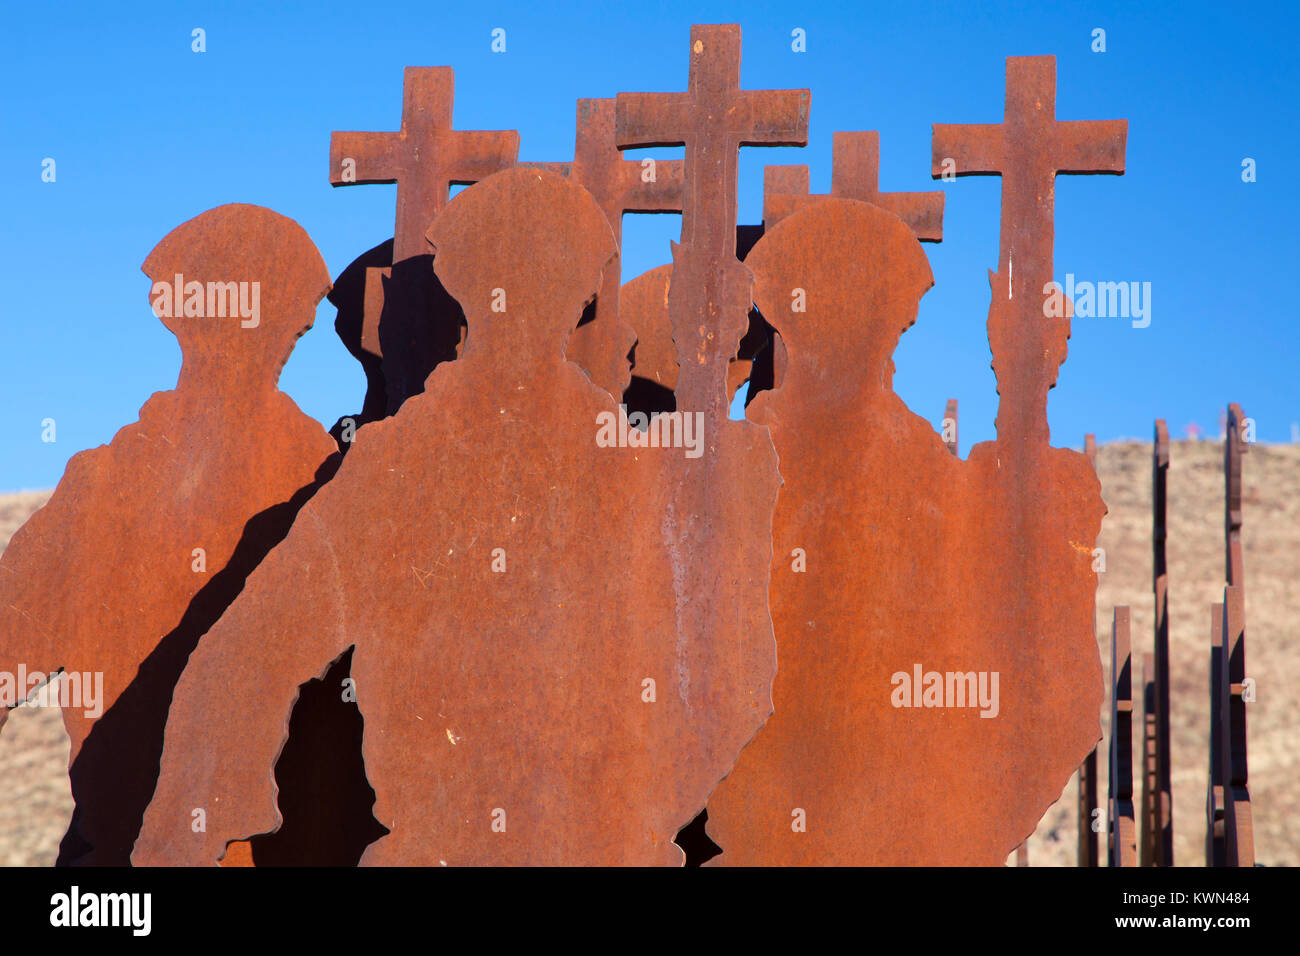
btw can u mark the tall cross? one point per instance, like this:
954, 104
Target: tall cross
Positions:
425, 158
713, 119
1027, 149
709, 297
855, 174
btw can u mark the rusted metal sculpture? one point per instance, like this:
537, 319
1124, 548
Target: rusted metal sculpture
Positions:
1162, 800
1087, 823
163, 524
1216, 853
600, 345
1149, 828
856, 175
542, 657
1238, 826
1121, 825
807, 786
411, 322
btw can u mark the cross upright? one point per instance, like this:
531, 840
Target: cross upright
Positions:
1028, 149
425, 158
855, 174
1028, 325
713, 119
709, 297
619, 186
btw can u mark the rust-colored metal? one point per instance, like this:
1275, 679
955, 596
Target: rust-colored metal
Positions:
600, 346
410, 321
1150, 827
162, 525
855, 174
1238, 826
1216, 853
1121, 825
1027, 149
849, 625
950, 425
1087, 823
843, 748
1162, 803
594, 677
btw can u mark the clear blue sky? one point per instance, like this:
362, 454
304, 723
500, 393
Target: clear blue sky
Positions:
147, 134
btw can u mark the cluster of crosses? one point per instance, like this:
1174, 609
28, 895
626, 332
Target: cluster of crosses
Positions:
461, 631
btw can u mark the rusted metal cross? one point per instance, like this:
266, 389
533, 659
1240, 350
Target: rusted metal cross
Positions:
855, 174
425, 158
709, 297
1122, 840
1027, 149
1087, 792
619, 186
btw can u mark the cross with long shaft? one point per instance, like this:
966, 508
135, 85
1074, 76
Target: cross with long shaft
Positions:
425, 158
709, 296
619, 186
1027, 149
855, 174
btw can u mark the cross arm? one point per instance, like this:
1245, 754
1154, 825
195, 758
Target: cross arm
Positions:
651, 119
374, 156
974, 148
1091, 146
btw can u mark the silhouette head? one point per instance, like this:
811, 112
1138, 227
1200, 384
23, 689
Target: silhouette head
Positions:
523, 252
841, 281
237, 285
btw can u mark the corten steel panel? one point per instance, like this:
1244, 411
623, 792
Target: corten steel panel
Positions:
1087, 823
913, 566
855, 175
644, 307
417, 324
1215, 845
521, 691
600, 346
103, 579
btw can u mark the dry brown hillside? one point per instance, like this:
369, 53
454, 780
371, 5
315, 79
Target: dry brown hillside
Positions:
34, 749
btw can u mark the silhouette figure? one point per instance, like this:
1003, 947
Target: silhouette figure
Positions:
146, 540
858, 765
524, 658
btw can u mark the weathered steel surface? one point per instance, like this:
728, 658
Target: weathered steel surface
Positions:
107, 577
1087, 823
855, 174
1121, 825
1162, 805
912, 569
525, 690
600, 346
1238, 827
417, 323
644, 307
1215, 846
1149, 829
